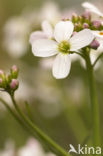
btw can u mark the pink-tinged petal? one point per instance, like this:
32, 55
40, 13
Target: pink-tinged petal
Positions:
81, 39
47, 29
61, 66
44, 48
37, 35
63, 30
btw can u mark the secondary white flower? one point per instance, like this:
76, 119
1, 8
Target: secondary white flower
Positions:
47, 32
99, 37
95, 53
92, 8
98, 34
62, 46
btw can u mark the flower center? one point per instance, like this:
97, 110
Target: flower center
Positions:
64, 47
101, 33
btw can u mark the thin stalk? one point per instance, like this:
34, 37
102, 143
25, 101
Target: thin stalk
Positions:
55, 147
101, 55
16, 117
79, 53
94, 102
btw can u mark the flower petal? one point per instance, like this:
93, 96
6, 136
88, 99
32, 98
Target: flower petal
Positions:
92, 8
44, 48
98, 34
81, 39
37, 35
47, 28
63, 30
100, 48
61, 66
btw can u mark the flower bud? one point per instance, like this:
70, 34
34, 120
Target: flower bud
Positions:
8, 78
65, 19
2, 76
85, 25
1, 73
95, 44
14, 71
96, 24
74, 18
14, 84
77, 27
87, 15
2, 83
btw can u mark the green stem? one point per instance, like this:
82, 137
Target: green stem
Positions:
101, 55
94, 102
16, 116
53, 146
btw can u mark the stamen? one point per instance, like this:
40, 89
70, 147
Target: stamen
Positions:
101, 33
64, 47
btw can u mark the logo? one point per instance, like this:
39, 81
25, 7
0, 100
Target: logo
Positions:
85, 150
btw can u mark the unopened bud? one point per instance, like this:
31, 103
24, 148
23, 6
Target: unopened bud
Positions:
74, 18
86, 15
1, 72
85, 25
96, 24
65, 19
14, 71
8, 78
14, 84
77, 27
95, 44
2, 75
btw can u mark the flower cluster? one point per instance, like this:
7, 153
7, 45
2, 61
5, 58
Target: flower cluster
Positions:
67, 37
96, 27
85, 21
9, 83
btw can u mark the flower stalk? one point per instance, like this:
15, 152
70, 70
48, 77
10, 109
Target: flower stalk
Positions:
52, 145
94, 102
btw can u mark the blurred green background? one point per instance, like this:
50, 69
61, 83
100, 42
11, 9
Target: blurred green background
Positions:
59, 107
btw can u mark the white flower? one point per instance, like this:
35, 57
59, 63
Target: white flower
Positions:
46, 33
95, 53
92, 8
98, 34
99, 37
62, 46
